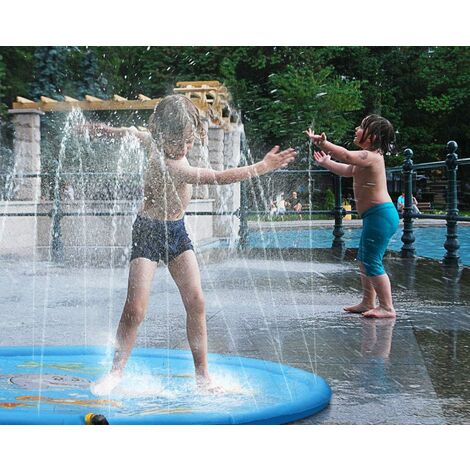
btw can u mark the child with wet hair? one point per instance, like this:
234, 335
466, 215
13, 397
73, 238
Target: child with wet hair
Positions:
375, 137
159, 232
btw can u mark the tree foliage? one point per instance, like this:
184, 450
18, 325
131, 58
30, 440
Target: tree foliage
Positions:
280, 91
49, 72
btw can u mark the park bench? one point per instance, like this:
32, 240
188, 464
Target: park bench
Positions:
424, 206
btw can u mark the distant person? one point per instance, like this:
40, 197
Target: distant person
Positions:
159, 232
68, 193
374, 137
401, 204
272, 208
414, 207
351, 201
281, 205
293, 203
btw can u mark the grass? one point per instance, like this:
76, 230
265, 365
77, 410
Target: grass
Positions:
462, 213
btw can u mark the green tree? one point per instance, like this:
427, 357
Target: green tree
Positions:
91, 80
2, 82
279, 90
283, 90
50, 72
301, 97
445, 74
18, 63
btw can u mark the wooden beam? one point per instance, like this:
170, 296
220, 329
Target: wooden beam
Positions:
92, 99
20, 99
45, 99
199, 83
64, 106
207, 99
194, 89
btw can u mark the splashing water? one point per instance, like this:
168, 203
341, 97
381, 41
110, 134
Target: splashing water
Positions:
148, 389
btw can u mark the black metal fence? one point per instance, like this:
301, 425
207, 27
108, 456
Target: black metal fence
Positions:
407, 170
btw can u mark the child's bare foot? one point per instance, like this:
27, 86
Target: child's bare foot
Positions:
359, 308
106, 384
380, 312
205, 385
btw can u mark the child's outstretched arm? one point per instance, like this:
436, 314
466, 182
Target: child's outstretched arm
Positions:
325, 161
99, 129
193, 175
361, 158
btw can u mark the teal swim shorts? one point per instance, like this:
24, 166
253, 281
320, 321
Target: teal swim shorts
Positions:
379, 224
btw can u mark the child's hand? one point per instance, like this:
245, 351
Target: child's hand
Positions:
92, 128
80, 129
97, 128
321, 158
275, 159
316, 138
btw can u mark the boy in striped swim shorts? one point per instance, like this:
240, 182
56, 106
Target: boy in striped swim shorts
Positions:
375, 137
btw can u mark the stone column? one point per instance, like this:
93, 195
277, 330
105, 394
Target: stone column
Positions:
27, 153
227, 197
199, 157
216, 158
219, 151
216, 147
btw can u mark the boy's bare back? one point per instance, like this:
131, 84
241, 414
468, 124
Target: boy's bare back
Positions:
370, 182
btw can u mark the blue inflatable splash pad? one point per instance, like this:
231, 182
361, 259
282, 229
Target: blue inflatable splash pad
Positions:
51, 385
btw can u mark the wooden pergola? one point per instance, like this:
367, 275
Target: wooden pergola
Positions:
211, 98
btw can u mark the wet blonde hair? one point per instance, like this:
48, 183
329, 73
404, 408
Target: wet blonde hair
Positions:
174, 123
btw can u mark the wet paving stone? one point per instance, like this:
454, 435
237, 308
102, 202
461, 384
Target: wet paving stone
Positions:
412, 370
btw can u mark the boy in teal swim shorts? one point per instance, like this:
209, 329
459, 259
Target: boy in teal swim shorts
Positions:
375, 137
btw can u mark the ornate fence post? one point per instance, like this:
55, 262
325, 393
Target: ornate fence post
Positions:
452, 243
338, 232
408, 238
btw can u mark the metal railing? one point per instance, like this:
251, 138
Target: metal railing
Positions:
408, 170
338, 212
57, 212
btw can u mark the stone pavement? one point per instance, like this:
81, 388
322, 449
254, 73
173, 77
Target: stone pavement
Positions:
279, 306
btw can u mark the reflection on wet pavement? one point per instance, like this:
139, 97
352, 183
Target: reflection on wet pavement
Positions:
412, 370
